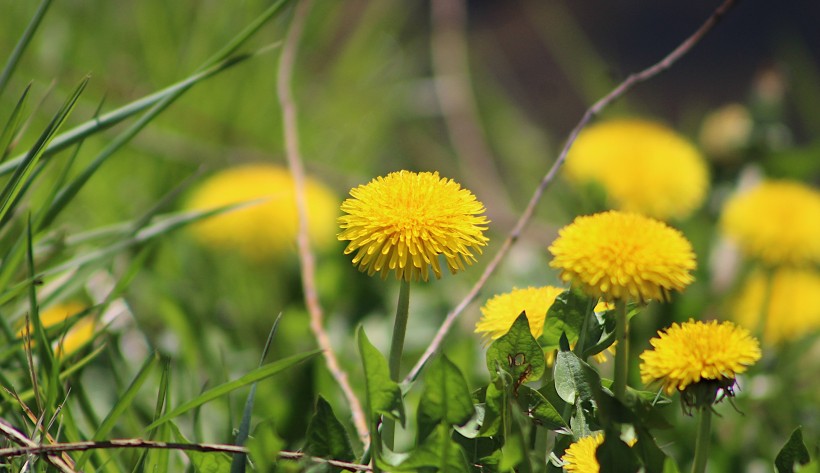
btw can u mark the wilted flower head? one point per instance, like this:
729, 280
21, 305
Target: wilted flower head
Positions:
266, 228
695, 355
404, 221
623, 256
777, 222
793, 308
643, 166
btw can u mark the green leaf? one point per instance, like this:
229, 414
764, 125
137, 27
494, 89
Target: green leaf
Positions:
669, 466
383, 394
565, 315
495, 409
793, 453
22, 44
263, 446
518, 353
326, 436
445, 397
438, 452
539, 409
214, 393
615, 456
575, 379
652, 457
203, 462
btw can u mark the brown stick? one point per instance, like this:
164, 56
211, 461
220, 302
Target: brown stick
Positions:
307, 260
590, 113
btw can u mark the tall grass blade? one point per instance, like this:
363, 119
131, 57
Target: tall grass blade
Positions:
13, 125
21, 45
223, 389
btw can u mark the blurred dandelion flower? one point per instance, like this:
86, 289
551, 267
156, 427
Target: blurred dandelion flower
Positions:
777, 222
500, 312
643, 166
402, 222
623, 256
265, 229
80, 333
580, 456
794, 303
694, 352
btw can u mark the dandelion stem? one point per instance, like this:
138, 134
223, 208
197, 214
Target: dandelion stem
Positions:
702, 440
622, 352
396, 349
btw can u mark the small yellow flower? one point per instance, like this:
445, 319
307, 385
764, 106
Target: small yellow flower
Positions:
687, 354
265, 229
580, 456
643, 166
80, 333
794, 303
404, 221
500, 312
777, 222
623, 256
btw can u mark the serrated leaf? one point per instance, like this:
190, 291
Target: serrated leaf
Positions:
326, 436
438, 451
445, 397
565, 315
539, 409
575, 379
383, 394
793, 453
518, 353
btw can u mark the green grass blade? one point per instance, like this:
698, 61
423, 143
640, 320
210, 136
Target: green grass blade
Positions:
223, 389
239, 460
21, 45
13, 125
97, 124
122, 405
234, 44
24, 168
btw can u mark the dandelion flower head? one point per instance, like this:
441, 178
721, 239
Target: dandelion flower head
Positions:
267, 228
80, 333
794, 303
643, 166
623, 256
580, 456
500, 312
694, 351
777, 222
404, 221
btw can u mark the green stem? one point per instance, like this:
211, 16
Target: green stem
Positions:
702, 440
396, 349
621, 351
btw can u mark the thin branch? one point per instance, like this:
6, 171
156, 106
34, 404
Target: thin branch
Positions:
306, 257
14, 435
590, 113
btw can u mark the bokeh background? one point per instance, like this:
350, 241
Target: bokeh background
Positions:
365, 87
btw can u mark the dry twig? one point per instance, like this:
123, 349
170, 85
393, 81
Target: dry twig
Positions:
306, 257
590, 113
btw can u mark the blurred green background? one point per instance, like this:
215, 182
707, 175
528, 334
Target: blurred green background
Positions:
364, 85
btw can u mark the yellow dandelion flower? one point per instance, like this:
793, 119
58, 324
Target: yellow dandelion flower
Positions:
794, 303
777, 222
686, 354
265, 229
623, 256
500, 312
580, 456
405, 220
80, 333
643, 166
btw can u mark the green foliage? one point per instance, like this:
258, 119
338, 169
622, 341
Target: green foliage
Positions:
326, 436
517, 353
445, 398
383, 394
793, 454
